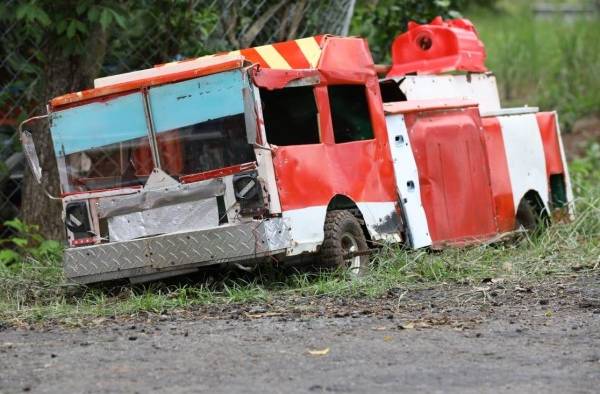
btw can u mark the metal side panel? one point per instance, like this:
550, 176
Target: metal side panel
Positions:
407, 178
171, 251
525, 155
479, 87
90, 260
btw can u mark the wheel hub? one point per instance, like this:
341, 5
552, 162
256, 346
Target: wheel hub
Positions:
350, 247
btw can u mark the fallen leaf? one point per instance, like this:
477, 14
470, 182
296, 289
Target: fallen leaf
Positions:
522, 289
387, 338
321, 352
261, 315
380, 328
406, 326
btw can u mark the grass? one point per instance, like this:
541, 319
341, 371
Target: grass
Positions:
34, 289
551, 63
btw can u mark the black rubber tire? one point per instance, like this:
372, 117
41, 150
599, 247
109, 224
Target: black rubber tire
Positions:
339, 225
529, 217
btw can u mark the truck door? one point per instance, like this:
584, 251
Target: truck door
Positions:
407, 182
453, 174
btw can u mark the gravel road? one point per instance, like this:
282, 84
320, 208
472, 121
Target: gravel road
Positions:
490, 338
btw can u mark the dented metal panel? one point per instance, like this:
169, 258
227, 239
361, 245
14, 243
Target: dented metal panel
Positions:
554, 152
154, 198
479, 87
296, 54
95, 125
186, 216
499, 174
153, 76
453, 175
524, 149
407, 179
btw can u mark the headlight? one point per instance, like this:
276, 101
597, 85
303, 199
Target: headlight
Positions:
248, 193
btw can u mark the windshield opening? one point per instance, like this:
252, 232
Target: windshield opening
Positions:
205, 146
122, 164
199, 126
102, 145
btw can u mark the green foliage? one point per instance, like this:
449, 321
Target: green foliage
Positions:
63, 23
380, 21
26, 243
552, 64
585, 172
30, 268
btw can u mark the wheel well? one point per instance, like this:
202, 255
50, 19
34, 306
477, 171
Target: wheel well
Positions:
534, 198
340, 201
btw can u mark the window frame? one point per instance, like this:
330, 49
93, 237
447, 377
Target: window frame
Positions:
368, 109
318, 118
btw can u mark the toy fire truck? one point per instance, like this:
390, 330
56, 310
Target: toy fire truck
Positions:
303, 147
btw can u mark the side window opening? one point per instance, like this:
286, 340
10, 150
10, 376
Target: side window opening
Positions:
390, 91
350, 113
558, 190
290, 116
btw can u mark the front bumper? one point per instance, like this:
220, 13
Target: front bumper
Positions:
177, 251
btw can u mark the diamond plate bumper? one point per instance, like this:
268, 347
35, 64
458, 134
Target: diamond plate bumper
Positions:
176, 251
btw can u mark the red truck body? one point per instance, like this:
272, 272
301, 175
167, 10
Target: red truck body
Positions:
418, 157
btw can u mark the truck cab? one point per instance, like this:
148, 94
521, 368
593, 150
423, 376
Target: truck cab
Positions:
298, 148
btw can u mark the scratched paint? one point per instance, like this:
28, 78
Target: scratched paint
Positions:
196, 100
98, 124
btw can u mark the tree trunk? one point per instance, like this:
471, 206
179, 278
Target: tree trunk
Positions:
62, 74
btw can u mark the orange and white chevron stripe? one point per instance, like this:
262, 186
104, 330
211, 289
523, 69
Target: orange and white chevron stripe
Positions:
301, 53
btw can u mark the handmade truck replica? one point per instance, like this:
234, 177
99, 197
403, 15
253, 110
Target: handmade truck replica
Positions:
298, 148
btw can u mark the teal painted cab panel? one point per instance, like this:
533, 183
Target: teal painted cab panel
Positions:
98, 124
197, 100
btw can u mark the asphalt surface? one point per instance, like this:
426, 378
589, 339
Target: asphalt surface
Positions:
545, 339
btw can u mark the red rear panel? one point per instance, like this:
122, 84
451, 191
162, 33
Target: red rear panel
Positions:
499, 174
453, 174
547, 123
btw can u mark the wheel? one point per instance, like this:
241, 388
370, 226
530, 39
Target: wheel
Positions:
529, 217
343, 238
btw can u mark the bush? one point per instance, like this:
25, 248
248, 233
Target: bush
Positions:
30, 269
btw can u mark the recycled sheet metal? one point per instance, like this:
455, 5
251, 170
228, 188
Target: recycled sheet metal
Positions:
187, 216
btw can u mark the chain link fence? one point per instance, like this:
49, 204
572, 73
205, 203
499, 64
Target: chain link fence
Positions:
172, 31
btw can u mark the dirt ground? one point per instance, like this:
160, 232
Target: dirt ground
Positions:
492, 337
